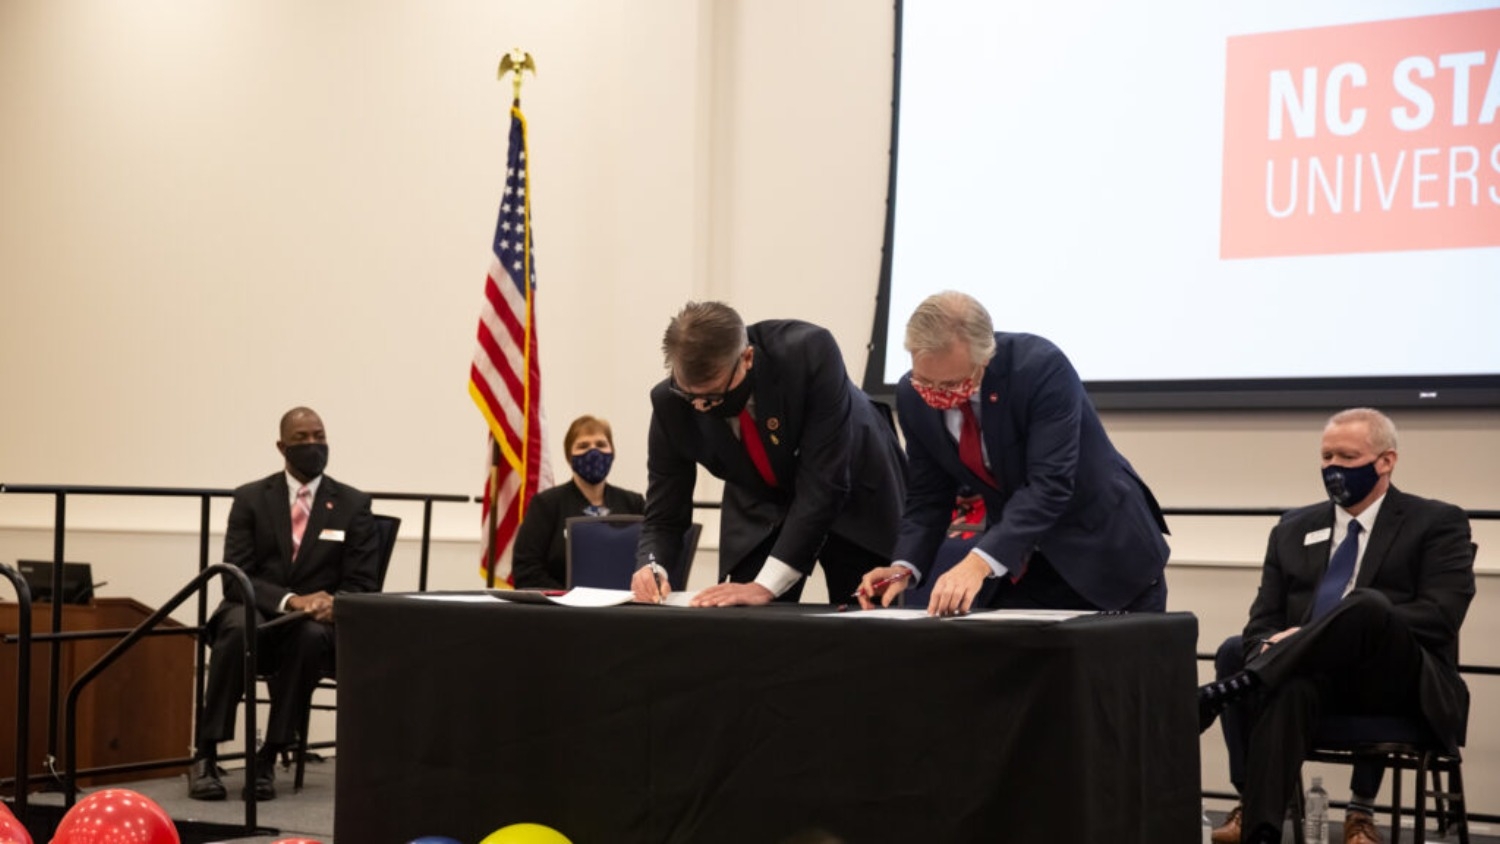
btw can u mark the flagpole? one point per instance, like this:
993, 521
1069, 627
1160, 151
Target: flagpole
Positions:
516, 62
492, 529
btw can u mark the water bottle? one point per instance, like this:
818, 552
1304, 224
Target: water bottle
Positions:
1208, 829
1317, 813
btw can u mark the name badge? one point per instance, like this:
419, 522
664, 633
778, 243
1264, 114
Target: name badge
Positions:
1316, 536
338, 535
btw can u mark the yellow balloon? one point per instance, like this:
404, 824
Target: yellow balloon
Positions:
526, 833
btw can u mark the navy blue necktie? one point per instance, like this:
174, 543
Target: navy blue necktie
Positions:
1340, 569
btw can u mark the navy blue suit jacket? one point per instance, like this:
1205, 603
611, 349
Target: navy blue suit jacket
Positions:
1064, 490
837, 463
1418, 554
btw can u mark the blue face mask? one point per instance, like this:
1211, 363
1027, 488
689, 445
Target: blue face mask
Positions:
1349, 485
593, 465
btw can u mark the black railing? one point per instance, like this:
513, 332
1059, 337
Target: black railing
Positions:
205, 496
23, 681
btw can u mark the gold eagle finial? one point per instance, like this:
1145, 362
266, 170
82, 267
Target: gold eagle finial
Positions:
516, 61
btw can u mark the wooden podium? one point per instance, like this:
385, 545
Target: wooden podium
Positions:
139, 710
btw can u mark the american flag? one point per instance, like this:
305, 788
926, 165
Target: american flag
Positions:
505, 377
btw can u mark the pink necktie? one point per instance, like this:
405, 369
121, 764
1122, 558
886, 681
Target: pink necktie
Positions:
301, 509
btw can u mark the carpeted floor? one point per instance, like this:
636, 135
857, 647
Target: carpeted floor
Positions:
305, 814
1479, 833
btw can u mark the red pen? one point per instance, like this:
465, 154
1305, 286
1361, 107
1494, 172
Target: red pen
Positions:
884, 582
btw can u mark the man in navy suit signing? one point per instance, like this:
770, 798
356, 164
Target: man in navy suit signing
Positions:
812, 470
1071, 524
302, 538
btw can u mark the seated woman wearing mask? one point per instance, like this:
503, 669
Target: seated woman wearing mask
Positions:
540, 558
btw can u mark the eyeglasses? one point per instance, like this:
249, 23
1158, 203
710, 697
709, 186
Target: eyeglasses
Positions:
709, 399
956, 384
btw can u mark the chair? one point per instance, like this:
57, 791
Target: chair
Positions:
1400, 744
953, 550
386, 529
601, 551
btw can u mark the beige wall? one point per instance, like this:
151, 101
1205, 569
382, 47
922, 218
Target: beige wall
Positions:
213, 211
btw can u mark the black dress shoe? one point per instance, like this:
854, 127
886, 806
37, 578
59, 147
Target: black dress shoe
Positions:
265, 778
204, 782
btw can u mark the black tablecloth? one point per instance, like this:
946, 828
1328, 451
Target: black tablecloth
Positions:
658, 724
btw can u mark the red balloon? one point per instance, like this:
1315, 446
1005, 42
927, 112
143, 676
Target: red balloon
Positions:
11, 831
116, 816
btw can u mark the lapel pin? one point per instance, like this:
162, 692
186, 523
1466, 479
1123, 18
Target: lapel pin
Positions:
994, 397
775, 440
773, 424
328, 505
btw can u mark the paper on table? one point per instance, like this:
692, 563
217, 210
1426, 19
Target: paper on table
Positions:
457, 598
1022, 615
889, 613
587, 596
679, 599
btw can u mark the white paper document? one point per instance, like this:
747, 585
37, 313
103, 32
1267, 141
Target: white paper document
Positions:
465, 598
1021, 615
888, 613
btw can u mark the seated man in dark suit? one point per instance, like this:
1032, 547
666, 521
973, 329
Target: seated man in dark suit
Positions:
1071, 525
1358, 612
302, 538
812, 470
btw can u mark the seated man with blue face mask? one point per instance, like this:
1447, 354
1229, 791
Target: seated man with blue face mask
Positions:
540, 559
1358, 612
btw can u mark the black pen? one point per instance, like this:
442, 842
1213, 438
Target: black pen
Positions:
656, 575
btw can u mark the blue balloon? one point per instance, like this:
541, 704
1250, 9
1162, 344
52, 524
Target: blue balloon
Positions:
434, 839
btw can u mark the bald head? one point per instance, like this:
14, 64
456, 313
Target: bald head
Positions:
298, 416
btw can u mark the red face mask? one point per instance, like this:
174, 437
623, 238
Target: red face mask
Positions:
941, 398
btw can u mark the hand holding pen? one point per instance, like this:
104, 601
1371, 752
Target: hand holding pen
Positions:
886, 582
648, 584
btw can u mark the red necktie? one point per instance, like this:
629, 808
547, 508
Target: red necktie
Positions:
757, 449
970, 451
300, 511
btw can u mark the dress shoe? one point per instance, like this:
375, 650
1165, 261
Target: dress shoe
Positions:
1359, 828
265, 778
204, 782
1229, 833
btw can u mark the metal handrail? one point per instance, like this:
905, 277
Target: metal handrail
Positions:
205, 496
194, 586
23, 681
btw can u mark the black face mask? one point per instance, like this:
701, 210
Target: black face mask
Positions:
736, 399
1349, 485
308, 459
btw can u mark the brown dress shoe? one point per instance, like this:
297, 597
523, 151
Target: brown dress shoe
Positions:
1359, 828
1229, 833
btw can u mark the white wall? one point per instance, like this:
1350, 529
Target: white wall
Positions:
210, 212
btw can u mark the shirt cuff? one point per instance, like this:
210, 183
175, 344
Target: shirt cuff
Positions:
281, 607
916, 576
996, 568
777, 576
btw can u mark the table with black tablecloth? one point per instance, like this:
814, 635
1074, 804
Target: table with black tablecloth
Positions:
664, 724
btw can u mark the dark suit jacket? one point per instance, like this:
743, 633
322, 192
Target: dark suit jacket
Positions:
1064, 489
837, 463
259, 541
1418, 554
540, 557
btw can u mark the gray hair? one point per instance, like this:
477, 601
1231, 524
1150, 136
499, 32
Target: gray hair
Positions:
1382, 431
948, 316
